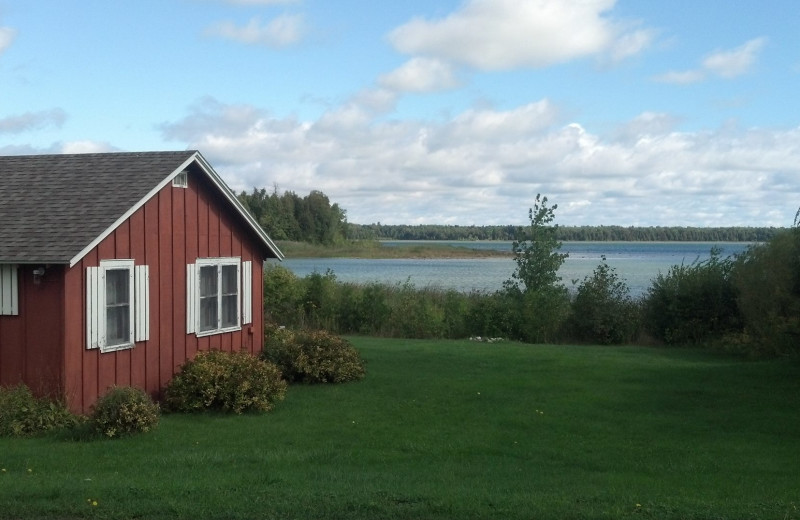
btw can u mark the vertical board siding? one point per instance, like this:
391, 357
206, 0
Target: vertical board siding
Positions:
164, 238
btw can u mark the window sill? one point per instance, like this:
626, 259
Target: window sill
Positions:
114, 348
218, 331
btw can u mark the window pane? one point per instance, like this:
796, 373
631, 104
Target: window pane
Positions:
208, 313
208, 280
230, 311
117, 325
229, 279
117, 290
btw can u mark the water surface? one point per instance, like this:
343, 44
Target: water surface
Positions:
636, 262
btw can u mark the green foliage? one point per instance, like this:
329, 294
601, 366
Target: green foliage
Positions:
566, 233
536, 251
226, 381
693, 303
767, 278
123, 411
603, 311
541, 302
289, 217
22, 414
312, 357
283, 295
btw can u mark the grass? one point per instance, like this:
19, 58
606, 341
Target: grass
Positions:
443, 429
375, 250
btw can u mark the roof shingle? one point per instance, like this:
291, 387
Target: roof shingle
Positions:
53, 206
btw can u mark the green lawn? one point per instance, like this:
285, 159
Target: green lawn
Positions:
457, 430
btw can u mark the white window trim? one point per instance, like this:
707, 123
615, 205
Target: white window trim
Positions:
139, 305
9, 290
193, 295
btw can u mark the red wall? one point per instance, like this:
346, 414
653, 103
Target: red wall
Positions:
175, 227
30, 349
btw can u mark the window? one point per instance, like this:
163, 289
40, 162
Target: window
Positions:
119, 310
9, 290
117, 305
218, 295
181, 180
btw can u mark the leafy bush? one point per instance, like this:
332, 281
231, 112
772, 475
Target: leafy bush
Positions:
313, 357
693, 303
283, 295
122, 411
227, 381
767, 278
603, 311
23, 414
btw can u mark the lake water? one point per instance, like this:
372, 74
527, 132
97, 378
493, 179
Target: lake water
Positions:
636, 262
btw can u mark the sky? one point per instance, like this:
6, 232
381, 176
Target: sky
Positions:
632, 113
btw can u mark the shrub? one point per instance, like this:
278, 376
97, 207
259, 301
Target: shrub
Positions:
283, 295
226, 381
603, 311
313, 357
23, 414
122, 411
693, 303
767, 277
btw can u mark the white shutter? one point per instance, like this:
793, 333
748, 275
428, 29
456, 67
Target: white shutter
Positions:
9, 290
191, 298
95, 307
247, 292
142, 302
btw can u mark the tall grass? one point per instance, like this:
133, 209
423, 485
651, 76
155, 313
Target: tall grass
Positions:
453, 430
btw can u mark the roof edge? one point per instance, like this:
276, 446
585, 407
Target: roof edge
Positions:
234, 200
133, 209
218, 182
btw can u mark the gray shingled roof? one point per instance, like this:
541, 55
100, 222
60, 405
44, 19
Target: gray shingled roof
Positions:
53, 206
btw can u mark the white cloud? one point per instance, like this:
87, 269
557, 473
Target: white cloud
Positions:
7, 35
32, 121
506, 34
681, 77
738, 61
723, 64
420, 75
485, 166
281, 31
87, 146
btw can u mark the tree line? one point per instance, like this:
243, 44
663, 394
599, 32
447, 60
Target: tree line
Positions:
287, 216
314, 219
566, 233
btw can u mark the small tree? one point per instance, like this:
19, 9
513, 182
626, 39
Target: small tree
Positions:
536, 251
542, 302
603, 310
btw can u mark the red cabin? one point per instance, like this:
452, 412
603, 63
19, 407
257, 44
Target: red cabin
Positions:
117, 268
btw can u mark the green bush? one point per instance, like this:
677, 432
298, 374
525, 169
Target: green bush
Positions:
283, 295
694, 303
226, 381
23, 414
122, 411
603, 311
767, 278
313, 357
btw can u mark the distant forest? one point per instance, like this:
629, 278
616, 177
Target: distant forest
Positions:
287, 216
565, 233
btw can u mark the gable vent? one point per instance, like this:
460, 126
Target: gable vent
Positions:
181, 180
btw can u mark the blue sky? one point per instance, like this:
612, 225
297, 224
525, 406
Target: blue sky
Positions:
437, 111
